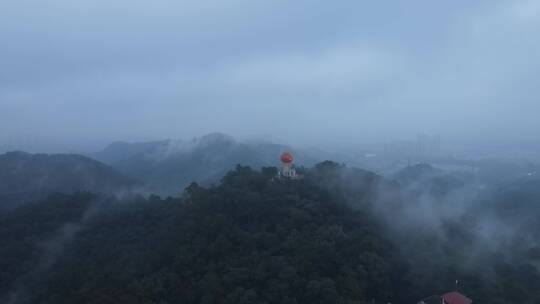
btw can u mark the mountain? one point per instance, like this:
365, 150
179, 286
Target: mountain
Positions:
254, 238
27, 177
119, 150
169, 166
251, 239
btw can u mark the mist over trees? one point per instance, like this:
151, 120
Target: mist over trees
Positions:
340, 235
166, 167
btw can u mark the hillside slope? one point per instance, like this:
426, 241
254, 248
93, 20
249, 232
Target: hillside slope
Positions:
169, 166
252, 239
27, 177
119, 151
339, 235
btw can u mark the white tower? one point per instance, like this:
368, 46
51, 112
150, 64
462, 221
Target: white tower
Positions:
287, 169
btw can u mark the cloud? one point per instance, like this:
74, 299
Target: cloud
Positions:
527, 11
96, 71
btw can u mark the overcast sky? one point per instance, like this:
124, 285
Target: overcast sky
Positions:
80, 73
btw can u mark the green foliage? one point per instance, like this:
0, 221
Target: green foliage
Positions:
23, 230
252, 239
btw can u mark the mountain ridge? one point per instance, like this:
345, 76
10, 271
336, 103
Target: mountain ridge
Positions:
28, 177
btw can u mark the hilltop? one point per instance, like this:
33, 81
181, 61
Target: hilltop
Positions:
168, 166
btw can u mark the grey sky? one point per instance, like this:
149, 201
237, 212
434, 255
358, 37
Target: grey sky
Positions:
77, 73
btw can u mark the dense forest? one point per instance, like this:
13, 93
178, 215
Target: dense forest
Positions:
339, 235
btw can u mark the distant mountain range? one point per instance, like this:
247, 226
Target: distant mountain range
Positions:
168, 166
164, 167
119, 150
29, 177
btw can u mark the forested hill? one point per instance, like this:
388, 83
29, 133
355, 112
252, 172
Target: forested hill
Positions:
251, 239
168, 166
26, 177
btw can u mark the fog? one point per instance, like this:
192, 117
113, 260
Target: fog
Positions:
76, 75
48, 250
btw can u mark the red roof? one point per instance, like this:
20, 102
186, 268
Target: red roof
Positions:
286, 157
455, 298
